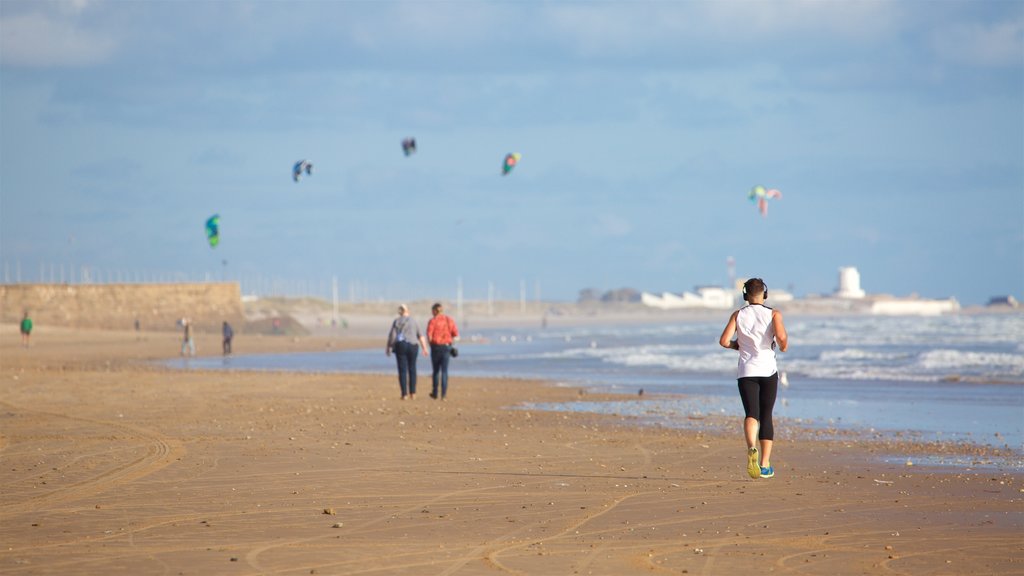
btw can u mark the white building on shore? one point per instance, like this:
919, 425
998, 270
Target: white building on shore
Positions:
913, 306
710, 297
848, 298
849, 283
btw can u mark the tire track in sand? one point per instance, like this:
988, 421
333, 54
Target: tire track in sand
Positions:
252, 558
160, 451
492, 555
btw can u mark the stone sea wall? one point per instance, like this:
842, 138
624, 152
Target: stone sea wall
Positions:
157, 307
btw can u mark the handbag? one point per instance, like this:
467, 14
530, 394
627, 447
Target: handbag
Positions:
455, 352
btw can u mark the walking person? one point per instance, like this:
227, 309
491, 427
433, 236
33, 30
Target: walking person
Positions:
26, 329
758, 330
402, 340
188, 344
228, 334
441, 333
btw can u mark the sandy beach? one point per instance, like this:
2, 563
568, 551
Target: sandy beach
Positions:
111, 464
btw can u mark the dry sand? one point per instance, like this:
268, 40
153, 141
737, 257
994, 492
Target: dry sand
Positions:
109, 465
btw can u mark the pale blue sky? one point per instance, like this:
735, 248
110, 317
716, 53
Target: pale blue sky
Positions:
895, 131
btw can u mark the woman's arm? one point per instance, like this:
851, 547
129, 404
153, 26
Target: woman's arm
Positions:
726, 340
391, 338
780, 331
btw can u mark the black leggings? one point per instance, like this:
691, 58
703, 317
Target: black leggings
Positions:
758, 395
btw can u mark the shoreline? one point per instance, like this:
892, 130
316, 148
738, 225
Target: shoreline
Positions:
971, 443
112, 466
899, 447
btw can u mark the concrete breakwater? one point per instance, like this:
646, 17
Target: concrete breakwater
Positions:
157, 307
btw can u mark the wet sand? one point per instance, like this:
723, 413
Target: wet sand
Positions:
110, 465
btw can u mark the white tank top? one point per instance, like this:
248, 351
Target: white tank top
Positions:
755, 334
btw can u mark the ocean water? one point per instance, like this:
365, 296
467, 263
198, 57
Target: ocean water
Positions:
956, 378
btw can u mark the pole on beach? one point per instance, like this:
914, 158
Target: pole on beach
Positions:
334, 298
458, 301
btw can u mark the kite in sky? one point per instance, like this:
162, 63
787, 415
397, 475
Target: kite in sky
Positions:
760, 195
213, 230
511, 160
409, 146
300, 167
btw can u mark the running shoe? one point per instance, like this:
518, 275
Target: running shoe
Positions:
767, 472
753, 465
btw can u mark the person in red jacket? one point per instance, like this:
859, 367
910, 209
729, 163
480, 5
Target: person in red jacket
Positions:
441, 332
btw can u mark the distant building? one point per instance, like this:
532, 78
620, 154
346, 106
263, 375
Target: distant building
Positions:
913, 307
849, 283
621, 295
711, 297
715, 297
1006, 301
776, 295
708, 297
850, 292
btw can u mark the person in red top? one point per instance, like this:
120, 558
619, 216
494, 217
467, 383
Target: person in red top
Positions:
441, 332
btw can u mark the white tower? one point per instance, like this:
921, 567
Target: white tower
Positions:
849, 283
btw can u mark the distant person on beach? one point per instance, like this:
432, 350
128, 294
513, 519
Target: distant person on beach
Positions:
758, 329
402, 339
228, 334
26, 329
188, 344
441, 333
